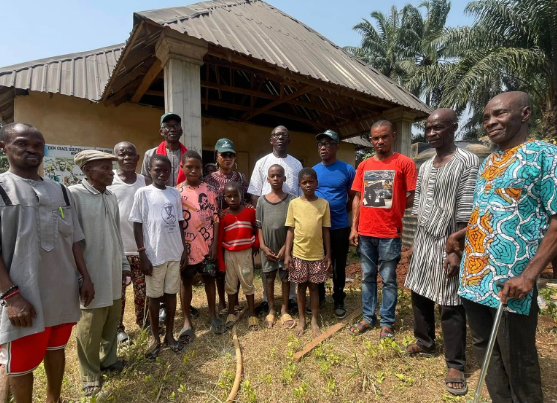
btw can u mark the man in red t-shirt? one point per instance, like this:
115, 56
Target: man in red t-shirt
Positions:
384, 187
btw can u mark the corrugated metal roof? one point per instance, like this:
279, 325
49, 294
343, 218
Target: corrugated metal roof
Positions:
257, 29
82, 75
358, 142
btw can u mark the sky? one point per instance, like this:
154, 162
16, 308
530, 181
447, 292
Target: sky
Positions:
36, 29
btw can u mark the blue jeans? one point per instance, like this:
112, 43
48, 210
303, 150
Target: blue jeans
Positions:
385, 253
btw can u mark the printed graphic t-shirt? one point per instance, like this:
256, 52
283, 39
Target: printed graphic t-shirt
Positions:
514, 200
334, 182
199, 210
160, 212
308, 219
383, 186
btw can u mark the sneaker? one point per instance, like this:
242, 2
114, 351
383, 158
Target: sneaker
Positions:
340, 312
262, 308
292, 307
122, 337
194, 312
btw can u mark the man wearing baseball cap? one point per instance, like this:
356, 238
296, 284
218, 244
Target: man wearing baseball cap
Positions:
171, 131
335, 185
103, 250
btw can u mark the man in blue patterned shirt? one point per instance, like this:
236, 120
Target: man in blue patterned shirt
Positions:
511, 237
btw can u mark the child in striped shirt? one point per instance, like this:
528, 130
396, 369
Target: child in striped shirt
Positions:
238, 242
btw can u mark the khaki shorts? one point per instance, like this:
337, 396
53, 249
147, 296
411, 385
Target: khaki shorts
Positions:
239, 267
165, 279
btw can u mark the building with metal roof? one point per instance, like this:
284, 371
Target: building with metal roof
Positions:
241, 61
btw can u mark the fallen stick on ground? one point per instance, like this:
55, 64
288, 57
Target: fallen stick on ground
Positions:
324, 336
239, 365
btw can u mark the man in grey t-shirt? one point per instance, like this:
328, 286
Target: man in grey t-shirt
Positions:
39, 264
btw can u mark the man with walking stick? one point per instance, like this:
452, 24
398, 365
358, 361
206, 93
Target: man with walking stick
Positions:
510, 239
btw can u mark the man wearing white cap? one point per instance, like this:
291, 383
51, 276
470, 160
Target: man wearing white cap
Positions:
98, 214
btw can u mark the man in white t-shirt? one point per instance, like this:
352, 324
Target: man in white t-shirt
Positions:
259, 186
126, 183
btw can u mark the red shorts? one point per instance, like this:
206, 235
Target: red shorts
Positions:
23, 355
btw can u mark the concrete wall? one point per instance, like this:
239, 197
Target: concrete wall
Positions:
67, 120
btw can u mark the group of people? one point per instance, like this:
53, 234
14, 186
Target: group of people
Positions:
477, 225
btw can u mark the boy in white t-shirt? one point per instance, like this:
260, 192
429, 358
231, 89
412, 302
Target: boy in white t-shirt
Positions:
158, 221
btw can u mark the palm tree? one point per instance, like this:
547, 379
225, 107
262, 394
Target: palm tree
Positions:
512, 45
382, 47
403, 43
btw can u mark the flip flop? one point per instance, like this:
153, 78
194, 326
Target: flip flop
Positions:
217, 327
90, 391
153, 352
270, 321
223, 311
230, 320
176, 347
186, 336
284, 319
457, 391
415, 349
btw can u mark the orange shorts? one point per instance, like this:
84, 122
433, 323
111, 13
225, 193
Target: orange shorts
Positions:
23, 355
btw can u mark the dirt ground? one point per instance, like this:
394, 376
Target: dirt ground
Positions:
345, 368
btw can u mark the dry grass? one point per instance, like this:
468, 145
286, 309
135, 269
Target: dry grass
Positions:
344, 369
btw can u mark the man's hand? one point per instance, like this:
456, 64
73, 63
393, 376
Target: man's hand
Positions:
354, 237
221, 213
280, 255
184, 260
453, 245
213, 251
254, 251
87, 291
20, 312
517, 287
146, 266
451, 265
125, 275
269, 255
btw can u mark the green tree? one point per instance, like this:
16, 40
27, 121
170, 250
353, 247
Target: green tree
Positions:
512, 45
383, 48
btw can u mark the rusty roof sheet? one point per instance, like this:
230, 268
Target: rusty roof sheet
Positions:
257, 29
358, 142
82, 75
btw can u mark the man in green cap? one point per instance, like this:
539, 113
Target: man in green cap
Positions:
335, 185
171, 131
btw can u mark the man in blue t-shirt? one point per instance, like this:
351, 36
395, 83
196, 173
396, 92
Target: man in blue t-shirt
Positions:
335, 185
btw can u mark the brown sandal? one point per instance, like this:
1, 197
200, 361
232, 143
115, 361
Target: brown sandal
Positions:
415, 349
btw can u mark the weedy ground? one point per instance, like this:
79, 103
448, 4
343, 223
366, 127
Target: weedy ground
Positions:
345, 368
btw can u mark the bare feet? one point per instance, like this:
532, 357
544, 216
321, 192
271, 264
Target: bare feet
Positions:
315, 328
300, 329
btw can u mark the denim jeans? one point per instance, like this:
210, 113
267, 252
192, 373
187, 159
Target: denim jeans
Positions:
385, 254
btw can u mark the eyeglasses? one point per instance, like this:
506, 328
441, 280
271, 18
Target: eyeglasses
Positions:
326, 144
227, 155
280, 135
176, 126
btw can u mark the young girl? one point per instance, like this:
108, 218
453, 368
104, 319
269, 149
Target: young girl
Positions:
309, 220
201, 226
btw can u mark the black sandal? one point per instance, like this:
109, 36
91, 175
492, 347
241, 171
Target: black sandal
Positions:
457, 391
386, 334
153, 352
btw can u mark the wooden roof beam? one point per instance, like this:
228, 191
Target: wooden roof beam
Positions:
281, 100
148, 79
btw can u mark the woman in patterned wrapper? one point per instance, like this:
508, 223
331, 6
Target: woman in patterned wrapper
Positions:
225, 155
